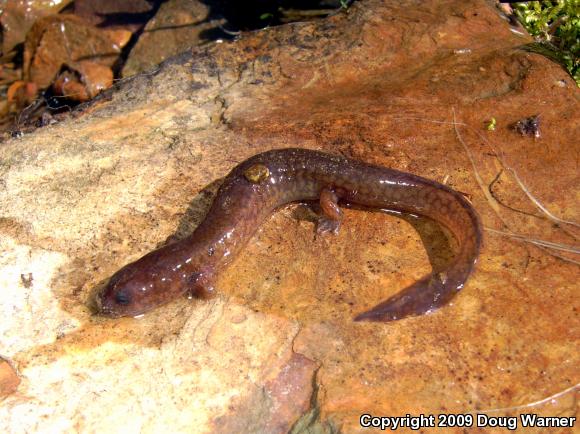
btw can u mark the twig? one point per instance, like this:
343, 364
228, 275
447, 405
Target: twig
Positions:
491, 200
537, 241
490, 188
531, 404
538, 204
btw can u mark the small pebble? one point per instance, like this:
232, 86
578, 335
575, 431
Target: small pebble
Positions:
9, 379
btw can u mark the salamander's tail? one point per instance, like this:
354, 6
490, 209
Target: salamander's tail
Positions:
437, 289
424, 296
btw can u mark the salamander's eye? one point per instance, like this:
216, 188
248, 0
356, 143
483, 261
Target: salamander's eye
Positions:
122, 297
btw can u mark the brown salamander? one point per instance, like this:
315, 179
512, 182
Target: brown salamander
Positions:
264, 182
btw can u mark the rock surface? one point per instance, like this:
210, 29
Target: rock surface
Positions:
277, 349
177, 26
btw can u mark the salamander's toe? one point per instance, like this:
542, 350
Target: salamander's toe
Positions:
326, 225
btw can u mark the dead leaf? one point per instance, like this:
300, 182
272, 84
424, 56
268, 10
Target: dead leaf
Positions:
18, 16
66, 39
83, 80
21, 93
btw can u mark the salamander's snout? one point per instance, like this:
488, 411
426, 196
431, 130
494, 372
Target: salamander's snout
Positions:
112, 305
131, 291
139, 287
117, 298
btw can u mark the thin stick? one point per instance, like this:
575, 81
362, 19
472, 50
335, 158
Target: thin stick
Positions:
531, 404
538, 204
492, 202
539, 242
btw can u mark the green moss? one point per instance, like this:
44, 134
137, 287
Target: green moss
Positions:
556, 26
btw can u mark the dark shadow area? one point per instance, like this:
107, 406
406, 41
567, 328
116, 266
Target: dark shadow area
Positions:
257, 14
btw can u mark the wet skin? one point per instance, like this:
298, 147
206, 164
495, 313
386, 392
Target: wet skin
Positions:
261, 184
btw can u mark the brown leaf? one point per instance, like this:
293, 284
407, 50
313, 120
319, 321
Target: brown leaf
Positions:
21, 93
19, 15
83, 80
66, 39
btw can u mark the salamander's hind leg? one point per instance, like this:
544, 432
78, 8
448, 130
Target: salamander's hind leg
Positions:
331, 216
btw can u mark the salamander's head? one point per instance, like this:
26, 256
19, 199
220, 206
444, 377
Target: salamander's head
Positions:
137, 288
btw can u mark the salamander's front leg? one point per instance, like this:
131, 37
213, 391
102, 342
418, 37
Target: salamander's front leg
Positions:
331, 217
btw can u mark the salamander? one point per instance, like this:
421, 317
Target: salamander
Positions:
257, 187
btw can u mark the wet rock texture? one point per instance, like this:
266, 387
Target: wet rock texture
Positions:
276, 350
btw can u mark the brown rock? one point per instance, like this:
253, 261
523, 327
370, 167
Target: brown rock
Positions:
177, 26
9, 380
126, 14
383, 82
